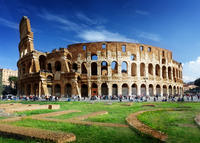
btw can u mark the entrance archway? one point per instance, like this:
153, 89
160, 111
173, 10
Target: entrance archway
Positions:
104, 89
94, 89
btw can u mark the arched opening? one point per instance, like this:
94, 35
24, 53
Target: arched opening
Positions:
104, 68
69, 65
178, 91
174, 90
68, 90
134, 89
49, 68
83, 68
84, 90
164, 72
94, 57
125, 90
163, 61
94, 68
133, 69
158, 90
170, 90
42, 61
157, 70
150, 90
36, 89
177, 73
133, 57
114, 67
69, 57
104, 89
150, 69
94, 89
49, 78
28, 89
49, 87
142, 69
164, 90
143, 90
57, 90
114, 90
169, 73
29, 67
124, 67
75, 67
58, 66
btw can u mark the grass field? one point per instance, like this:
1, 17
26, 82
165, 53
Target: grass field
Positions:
179, 125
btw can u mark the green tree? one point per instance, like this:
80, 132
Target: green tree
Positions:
13, 81
197, 82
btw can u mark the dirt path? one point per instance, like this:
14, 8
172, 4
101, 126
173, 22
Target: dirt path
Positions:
197, 120
133, 121
47, 135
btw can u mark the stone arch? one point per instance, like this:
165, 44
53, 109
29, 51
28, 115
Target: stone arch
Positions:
49, 67
124, 67
133, 57
94, 89
142, 69
68, 90
164, 72
69, 65
170, 90
104, 68
57, 90
49, 88
94, 68
177, 73
133, 69
157, 70
163, 61
143, 90
158, 90
104, 89
58, 66
115, 89
114, 67
134, 89
69, 57
94, 57
75, 67
150, 90
83, 68
164, 90
36, 89
42, 61
150, 69
169, 73
174, 74
174, 90
28, 89
125, 89
178, 90
84, 90
49, 78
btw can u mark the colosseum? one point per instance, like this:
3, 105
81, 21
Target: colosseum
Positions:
96, 68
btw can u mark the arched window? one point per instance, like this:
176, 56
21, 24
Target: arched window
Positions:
68, 90
94, 89
94, 68
84, 90
158, 90
151, 90
169, 73
103, 46
58, 66
133, 69
170, 90
164, 90
150, 69
157, 70
164, 72
104, 89
42, 61
142, 69
124, 67
133, 57
141, 48
69, 57
57, 90
123, 48
49, 78
49, 67
125, 90
114, 89
94, 57
114, 67
163, 61
104, 68
149, 49
75, 67
143, 90
134, 89
83, 68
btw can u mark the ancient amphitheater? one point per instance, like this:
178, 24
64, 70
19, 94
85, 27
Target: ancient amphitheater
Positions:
97, 68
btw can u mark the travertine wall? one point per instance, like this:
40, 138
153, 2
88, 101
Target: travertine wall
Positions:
97, 68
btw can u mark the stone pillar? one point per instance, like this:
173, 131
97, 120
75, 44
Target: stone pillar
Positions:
161, 91
138, 70
40, 89
99, 68
154, 90
138, 89
89, 69
109, 69
99, 88
89, 89
146, 70
129, 68
119, 89
119, 68
147, 89
129, 89
109, 89
62, 86
32, 89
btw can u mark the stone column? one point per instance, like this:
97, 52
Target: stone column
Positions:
119, 89
89, 89
109, 89
129, 68
62, 86
147, 89
109, 69
161, 91
119, 68
99, 88
88, 69
99, 68
138, 89
146, 70
129, 89
154, 90
138, 70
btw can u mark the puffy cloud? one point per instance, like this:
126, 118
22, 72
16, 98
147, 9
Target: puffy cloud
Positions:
149, 36
8, 23
191, 70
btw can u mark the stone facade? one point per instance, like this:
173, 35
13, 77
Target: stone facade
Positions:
5, 74
97, 68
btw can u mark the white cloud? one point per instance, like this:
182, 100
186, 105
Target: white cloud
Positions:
150, 36
8, 23
141, 12
103, 35
191, 70
85, 31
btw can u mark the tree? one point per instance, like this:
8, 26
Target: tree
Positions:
13, 81
197, 82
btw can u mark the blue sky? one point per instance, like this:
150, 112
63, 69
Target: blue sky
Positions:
169, 24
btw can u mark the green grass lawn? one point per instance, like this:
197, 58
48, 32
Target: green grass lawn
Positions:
179, 125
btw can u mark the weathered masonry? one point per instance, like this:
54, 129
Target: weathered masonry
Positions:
97, 68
